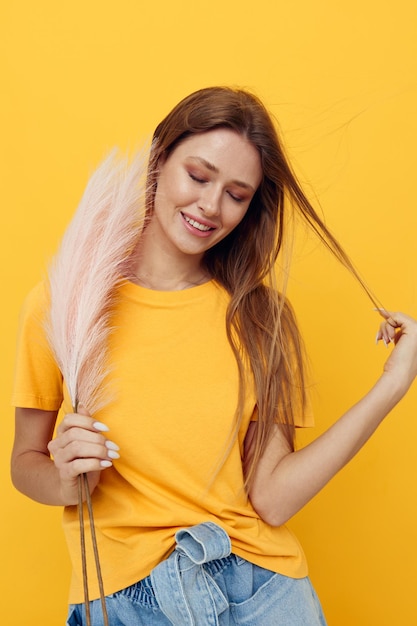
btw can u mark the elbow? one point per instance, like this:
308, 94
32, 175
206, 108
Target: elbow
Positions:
269, 509
19, 473
16, 482
16, 475
13, 471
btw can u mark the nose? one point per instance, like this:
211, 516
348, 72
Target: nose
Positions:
209, 202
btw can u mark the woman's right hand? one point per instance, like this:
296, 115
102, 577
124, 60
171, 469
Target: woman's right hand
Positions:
80, 446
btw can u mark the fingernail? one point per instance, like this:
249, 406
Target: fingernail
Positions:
377, 338
101, 427
385, 343
106, 463
111, 445
113, 454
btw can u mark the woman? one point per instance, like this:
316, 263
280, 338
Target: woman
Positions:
207, 389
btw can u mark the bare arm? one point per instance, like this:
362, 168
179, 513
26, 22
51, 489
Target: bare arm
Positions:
285, 481
78, 447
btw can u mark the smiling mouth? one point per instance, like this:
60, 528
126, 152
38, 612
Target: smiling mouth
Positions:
196, 224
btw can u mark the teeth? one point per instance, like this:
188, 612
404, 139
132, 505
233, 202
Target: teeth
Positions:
196, 224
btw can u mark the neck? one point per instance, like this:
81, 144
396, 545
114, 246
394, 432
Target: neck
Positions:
154, 269
166, 283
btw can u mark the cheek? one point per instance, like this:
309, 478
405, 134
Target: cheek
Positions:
175, 191
234, 217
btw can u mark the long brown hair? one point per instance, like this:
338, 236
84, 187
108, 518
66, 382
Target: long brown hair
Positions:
261, 325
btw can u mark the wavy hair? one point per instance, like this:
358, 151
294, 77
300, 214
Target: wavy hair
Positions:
260, 322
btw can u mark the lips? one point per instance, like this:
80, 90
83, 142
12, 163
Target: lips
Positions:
203, 228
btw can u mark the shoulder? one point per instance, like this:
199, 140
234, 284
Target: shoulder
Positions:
37, 299
35, 308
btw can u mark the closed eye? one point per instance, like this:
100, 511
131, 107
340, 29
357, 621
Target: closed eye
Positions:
196, 178
235, 198
202, 181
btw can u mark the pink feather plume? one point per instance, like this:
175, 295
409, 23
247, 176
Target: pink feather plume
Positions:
89, 267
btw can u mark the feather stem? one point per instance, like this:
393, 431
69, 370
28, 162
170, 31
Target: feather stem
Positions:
91, 264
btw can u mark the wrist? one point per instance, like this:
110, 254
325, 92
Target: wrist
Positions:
68, 493
393, 386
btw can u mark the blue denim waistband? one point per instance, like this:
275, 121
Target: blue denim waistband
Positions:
184, 590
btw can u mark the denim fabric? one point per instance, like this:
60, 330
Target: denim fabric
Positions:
202, 584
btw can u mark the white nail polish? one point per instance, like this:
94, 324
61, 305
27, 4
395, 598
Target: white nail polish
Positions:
111, 445
101, 427
106, 463
113, 454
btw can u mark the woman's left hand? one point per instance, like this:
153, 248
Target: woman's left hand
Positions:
400, 330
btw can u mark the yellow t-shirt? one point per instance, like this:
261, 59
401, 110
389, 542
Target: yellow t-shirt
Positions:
173, 386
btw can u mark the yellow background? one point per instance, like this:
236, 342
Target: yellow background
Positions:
78, 77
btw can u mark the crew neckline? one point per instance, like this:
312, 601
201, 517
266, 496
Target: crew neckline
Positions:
146, 293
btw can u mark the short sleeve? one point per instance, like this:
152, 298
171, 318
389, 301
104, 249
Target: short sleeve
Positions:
37, 378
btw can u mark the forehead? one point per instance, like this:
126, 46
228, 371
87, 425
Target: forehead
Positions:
229, 152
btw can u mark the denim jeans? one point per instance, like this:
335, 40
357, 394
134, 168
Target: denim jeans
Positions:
203, 584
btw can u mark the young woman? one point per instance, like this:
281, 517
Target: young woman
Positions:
191, 466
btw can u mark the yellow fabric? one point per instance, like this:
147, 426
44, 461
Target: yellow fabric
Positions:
173, 384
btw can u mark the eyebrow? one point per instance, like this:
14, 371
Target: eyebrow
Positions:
213, 168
